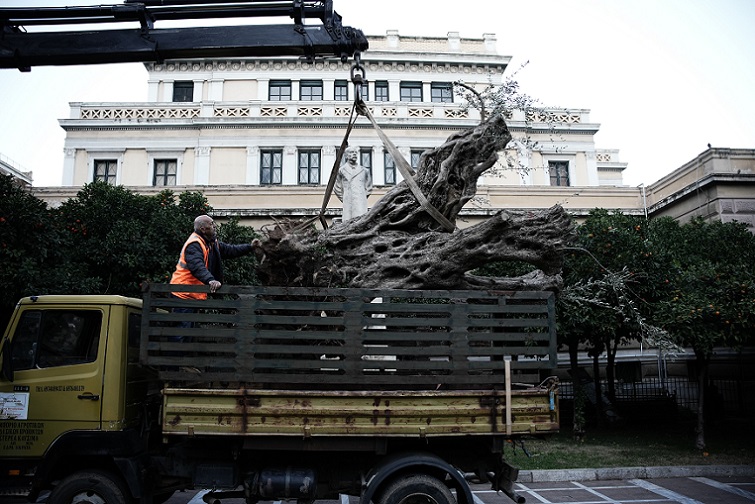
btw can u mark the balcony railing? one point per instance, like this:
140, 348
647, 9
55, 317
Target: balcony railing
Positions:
145, 112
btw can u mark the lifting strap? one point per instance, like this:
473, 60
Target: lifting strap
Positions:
359, 108
406, 171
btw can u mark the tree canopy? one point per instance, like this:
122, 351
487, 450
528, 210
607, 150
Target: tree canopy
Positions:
106, 240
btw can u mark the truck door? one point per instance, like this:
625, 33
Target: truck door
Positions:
56, 356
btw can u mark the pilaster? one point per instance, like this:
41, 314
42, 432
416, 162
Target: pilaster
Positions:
202, 165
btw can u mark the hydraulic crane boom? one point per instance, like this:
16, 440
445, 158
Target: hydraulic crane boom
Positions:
23, 49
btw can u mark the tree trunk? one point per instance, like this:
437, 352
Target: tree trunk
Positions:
397, 244
612, 345
702, 383
598, 388
578, 420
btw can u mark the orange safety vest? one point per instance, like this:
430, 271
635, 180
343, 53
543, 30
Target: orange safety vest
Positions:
183, 276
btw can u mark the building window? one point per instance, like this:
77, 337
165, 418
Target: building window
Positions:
441, 92
279, 90
411, 91
364, 91
390, 169
415, 155
559, 173
341, 91
271, 167
165, 172
105, 170
381, 91
365, 158
183, 91
309, 166
310, 91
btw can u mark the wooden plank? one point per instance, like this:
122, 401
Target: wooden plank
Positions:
254, 412
262, 333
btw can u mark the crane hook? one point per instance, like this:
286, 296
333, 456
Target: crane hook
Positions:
357, 76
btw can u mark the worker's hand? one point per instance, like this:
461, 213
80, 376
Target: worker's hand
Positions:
214, 285
256, 243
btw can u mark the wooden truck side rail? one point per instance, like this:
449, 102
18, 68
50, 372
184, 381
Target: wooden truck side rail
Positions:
408, 414
349, 339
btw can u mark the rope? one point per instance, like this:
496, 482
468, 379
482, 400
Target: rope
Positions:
333, 175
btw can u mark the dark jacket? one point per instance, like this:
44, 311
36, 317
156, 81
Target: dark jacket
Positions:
218, 252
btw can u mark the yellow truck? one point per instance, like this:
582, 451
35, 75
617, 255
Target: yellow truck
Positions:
268, 393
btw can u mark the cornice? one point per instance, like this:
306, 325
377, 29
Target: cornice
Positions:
401, 63
265, 124
699, 185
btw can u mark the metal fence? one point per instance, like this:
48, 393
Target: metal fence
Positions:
729, 397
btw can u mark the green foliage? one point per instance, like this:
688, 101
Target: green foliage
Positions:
240, 271
28, 242
708, 298
608, 284
107, 239
120, 239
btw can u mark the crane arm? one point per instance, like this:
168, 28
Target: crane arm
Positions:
24, 49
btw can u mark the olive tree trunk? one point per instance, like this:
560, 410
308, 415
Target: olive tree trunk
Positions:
398, 244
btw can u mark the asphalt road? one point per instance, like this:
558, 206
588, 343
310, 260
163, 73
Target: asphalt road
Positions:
690, 490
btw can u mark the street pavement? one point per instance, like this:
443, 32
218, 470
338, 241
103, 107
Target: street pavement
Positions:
638, 485
693, 490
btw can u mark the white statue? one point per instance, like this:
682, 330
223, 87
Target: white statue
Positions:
353, 185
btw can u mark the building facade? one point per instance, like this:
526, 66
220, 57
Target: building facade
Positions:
9, 167
719, 184
260, 136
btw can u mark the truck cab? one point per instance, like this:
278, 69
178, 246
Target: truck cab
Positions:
72, 388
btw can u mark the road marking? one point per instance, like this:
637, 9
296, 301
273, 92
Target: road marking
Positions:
670, 494
523, 488
594, 492
726, 488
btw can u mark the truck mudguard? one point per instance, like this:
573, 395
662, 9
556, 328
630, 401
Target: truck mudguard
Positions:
118, 449
402, 463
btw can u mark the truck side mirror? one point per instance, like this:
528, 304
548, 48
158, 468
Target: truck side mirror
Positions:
7, 364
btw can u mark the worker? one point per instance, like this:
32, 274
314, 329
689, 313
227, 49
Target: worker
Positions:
201, 258
200, 263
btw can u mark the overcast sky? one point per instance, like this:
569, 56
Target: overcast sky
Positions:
663, 78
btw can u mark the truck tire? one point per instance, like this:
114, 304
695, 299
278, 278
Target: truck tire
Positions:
90, 487
416, 489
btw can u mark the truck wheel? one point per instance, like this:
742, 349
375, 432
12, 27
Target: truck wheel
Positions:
90, 487
416, 489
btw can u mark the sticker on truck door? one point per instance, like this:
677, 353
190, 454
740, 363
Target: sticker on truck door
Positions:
14, 405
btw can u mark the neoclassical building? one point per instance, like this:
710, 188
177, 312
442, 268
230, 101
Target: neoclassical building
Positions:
260, 136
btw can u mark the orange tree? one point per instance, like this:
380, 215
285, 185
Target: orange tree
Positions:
29, 243
708, 294
105, 240
609, 286
117, 239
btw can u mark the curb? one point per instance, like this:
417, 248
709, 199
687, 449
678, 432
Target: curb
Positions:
622, 473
